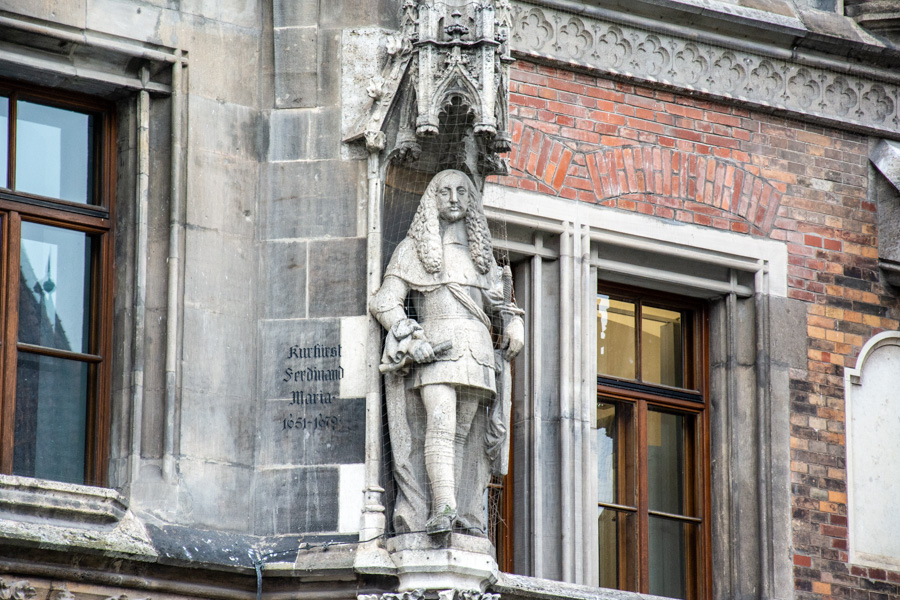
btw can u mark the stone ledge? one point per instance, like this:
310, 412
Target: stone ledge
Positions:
514, 587
24, 498
67, 517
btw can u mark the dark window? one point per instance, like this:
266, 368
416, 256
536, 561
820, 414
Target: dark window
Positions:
652, 444
56, 182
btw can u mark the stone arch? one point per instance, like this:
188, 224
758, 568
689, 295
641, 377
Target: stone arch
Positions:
689, 181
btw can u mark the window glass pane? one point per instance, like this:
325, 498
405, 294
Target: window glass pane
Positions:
54, 287
670, 544
661, 347
615, 453
53, 152
4, 141
615, 338
51, 410
618, 549
669, 468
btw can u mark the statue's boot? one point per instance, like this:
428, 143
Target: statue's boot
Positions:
442, 522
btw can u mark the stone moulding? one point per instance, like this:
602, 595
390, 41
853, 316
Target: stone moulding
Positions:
27, 497
451, 594
755, 79
67, 516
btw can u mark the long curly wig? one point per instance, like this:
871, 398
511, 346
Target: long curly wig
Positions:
426, 230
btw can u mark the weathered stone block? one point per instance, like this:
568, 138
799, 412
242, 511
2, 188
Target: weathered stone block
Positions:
228, 129
353, 480
311, 199
243, 13
303, 134
220, 428
225, 63
329, 81
354, 338
352, 13
283, 268
116, 16
303, 499
337, 277
224, 197
215, 352
296, 353
69, 12
221, 276
296, 90
296, 67
207, 487
313, 428
788, 330
291, 13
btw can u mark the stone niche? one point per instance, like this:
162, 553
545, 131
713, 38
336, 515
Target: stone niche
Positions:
873, 456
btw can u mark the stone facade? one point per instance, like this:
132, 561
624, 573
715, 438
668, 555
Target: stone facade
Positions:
741, 151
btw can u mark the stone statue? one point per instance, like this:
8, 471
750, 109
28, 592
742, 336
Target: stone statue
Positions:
447, 383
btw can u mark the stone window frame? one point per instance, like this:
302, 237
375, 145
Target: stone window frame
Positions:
853, 378
147, 85
749, 380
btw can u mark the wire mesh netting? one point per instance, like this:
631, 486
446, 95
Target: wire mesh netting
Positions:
458, 477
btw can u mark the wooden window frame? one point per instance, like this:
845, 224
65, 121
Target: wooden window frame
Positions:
693, 399
95, 219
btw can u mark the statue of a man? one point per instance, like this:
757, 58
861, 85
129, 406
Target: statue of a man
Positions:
445, 361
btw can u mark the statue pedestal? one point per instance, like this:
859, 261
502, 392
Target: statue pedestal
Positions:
465, 563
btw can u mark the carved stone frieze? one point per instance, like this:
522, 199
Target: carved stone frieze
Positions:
16, 590
452, 594
693, 65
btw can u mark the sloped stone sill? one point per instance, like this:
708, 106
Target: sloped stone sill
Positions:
520, 587
65, 516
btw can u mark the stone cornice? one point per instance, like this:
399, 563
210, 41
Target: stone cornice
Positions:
769, 77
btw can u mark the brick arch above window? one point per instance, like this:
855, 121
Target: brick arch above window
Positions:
687, 186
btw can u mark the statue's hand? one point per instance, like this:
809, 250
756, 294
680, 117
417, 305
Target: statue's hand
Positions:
514, 338
421, 351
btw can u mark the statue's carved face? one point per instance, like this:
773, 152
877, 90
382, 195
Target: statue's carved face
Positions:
453, 198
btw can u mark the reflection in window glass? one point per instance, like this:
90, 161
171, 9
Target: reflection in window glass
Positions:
615, 453
665, 462
615, 338
617, 531
4, 141
661, 346
667, 558
53, 152
54, 287
50, 422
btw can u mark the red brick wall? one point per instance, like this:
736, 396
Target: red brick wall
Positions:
676, 157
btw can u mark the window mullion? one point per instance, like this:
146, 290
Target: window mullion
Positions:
11, 323
638, 351
643, 500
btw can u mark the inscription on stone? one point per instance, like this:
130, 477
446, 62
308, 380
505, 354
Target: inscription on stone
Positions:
314, 364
